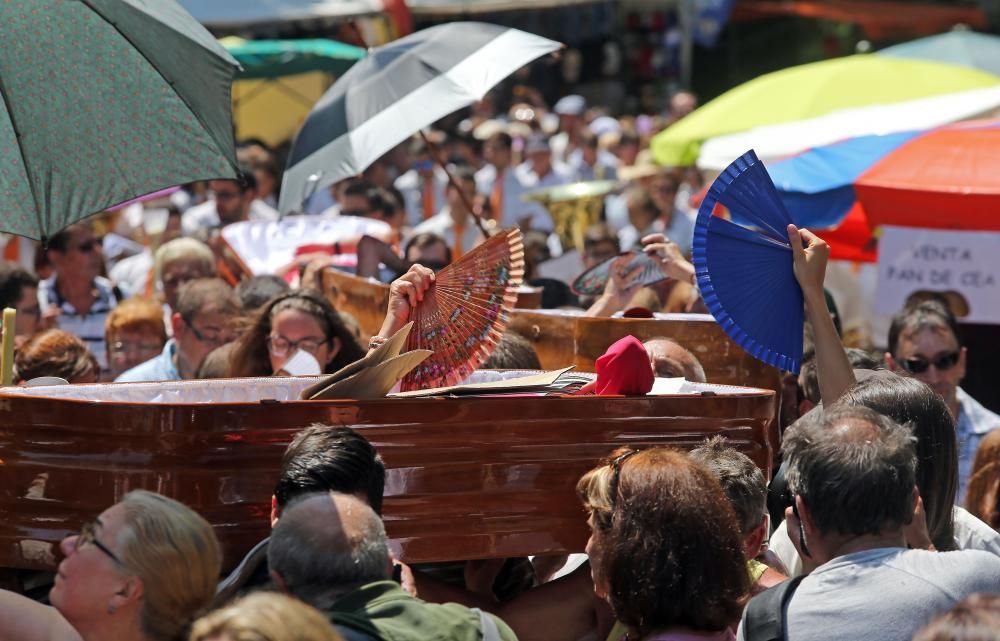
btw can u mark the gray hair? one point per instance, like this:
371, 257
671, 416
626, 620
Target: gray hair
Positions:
317, 559
186, 249
854, 468
741, 480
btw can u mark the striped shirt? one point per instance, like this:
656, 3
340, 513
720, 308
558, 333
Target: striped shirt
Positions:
87, 327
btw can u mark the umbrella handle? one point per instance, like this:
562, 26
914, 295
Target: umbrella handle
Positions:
454, 184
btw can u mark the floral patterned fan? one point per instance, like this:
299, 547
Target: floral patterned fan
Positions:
593, 281
465, 311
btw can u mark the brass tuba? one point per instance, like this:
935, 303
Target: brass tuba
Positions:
574, 208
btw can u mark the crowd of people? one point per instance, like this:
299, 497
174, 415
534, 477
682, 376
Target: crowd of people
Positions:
881, 522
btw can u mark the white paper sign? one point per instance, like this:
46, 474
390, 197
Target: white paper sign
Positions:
962, 262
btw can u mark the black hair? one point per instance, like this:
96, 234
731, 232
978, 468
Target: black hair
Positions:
13, 280
255, 292
359, 187
323, 458
513, 352
925, 315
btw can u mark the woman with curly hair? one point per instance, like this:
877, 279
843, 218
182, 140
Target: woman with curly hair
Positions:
665, 548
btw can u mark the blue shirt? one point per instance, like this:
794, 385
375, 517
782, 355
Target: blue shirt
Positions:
158, 368
974, 422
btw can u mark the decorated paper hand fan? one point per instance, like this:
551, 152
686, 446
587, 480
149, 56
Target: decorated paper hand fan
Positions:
465, 311
745, 270
593, 281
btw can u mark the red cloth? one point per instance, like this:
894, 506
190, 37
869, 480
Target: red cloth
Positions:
623, 370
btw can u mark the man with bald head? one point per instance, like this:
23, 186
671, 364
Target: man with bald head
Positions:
852, 479
330, 550
670, 360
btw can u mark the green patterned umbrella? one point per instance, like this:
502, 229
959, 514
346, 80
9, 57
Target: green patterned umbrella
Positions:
104, 101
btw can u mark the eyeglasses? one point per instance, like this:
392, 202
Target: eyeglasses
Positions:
919, 364
119, 348
280, 346
616, 473
216, 337
88, 535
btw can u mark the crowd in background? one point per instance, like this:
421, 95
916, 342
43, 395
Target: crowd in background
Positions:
881, 520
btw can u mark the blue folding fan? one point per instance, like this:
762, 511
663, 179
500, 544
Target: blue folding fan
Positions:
745, 270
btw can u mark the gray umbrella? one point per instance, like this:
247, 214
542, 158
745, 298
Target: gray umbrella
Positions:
104, 101
397, 90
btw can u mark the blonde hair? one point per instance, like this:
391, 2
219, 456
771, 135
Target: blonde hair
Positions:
265, 616
175, 553
187, 249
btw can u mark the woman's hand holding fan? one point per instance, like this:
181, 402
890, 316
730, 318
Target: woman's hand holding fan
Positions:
673, 264
404, 294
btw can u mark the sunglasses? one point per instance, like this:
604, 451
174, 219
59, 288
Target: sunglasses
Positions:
87, 246
919, 364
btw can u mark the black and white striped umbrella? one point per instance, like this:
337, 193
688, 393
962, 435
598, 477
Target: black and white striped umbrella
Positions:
397, 90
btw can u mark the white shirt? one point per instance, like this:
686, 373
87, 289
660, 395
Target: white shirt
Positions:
131, 274
443, 225
970, 534
411, 185
514, 208
205, 216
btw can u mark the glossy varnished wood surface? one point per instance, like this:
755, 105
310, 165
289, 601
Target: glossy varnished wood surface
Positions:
468, 478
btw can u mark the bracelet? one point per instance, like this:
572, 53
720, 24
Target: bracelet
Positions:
376, 341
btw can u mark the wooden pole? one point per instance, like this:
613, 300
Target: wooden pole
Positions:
435, 153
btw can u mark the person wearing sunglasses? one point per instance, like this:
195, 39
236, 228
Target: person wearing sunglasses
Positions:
204, 319
141, 571
925, 343
77, 298
853, 480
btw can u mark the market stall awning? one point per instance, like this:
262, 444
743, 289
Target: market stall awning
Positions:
228, 14
879, 20
276, 58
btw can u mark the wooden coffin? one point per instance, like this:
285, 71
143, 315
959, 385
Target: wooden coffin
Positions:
564, 338
467, 477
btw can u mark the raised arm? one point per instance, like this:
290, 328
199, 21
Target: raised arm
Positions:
834, 371
404, 294
619, 290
